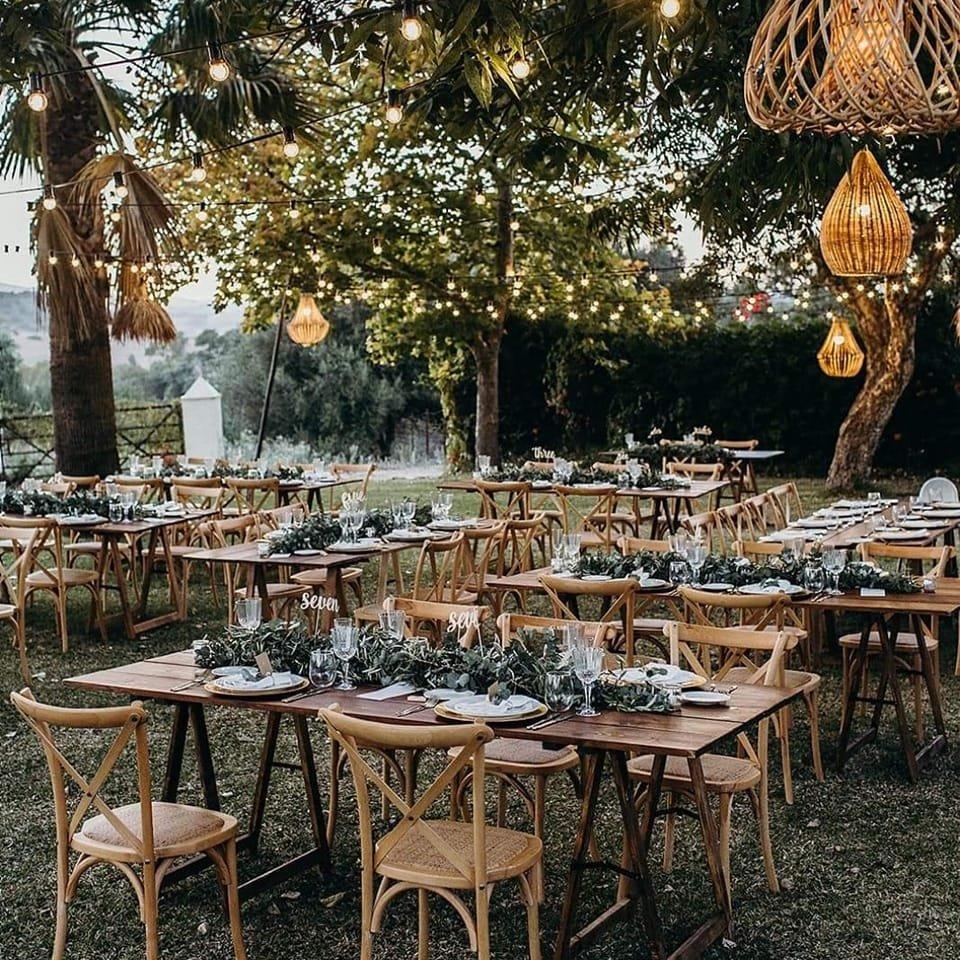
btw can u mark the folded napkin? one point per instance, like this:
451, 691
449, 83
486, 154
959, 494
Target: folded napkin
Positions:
480, 706
387, 693
238, 682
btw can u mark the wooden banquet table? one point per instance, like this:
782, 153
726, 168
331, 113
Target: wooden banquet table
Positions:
609, 739
884, 616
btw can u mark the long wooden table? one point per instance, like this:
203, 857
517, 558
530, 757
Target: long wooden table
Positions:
607, 740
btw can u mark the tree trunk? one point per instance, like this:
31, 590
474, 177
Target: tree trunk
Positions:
487, 358
81, 374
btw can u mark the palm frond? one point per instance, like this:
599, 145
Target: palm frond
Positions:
139, 317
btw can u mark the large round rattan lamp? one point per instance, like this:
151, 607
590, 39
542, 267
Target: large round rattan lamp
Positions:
840, 355
308, 326
865, 230
856, 66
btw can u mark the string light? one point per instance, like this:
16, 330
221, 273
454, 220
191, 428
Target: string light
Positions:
114, 213
37, 100
412, 26
199, 172
291, 148
52, 259
294, 210
669, 8
49, 200
479, 197
119, 185
443, 238
218, 67
74, 261
394, 111
98, 262
520, 66
514, 224
202, 214
377, 246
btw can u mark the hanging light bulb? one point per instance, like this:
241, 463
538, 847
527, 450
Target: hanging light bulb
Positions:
294, 210
394, 111
377, 246
114, 213
412, 26
218, 67
291, 148
119, 186
308, 326
669, 8
199, 172
37, 100
520, 66
479, 197
202, 214
514, 224
98, 262
443, 238
74, 261
52, 259
49, 200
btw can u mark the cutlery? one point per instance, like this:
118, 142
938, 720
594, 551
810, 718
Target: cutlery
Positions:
195, 682
302, 695
416, 708
549, 721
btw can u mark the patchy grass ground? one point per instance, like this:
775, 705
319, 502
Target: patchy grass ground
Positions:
868, 862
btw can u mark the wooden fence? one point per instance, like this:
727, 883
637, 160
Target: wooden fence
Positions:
26, 440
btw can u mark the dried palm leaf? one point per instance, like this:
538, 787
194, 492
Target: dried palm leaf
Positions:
139, 317
80, 298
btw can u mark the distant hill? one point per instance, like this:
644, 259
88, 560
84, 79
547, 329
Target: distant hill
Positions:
18, 316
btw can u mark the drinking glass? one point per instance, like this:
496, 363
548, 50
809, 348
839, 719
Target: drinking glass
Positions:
696, 557
3, 492
679, 572
813, 578
587, 664
345, 640
574, 635
323, 668
409, 512
396, 513
834, 560
874, 497
571, 546
248, 613
558, 691
446, 503
628, 440
157, 464
483, 464
635, 471
678, 543
393, 622
116, 511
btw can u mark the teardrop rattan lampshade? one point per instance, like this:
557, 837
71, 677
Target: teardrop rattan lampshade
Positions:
865, 230
856, 66
308, 326
840, 355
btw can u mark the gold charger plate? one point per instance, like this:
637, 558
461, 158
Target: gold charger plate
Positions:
212, 687
441, 711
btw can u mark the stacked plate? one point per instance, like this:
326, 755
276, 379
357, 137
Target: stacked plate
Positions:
481, 709
658, 673
240, 684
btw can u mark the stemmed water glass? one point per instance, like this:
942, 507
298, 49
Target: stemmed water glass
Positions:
393, 622
345, 638
409, 512
696, 557
587, 664
571, 548
834, 560
248, 612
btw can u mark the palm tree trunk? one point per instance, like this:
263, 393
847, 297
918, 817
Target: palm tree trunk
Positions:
81, 374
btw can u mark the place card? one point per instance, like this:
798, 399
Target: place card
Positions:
263, 663
872, 592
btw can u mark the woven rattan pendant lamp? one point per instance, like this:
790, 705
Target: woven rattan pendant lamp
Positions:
865, 230
308, 326
856, 66
840, 355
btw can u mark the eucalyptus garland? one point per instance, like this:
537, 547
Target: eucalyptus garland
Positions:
653, 454
578, 475
382, 659
39, 503
739, 570
319, 531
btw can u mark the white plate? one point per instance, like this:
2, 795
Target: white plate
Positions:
361, 546
596, 577
409, 536
809, 523
913, 524
760, 590
900, 534
452, 524
237, 685
479, 706
705, 698
541, 484
652, 583
228, 671
306, 553
942, 514
717, 587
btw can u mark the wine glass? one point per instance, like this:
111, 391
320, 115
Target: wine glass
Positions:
345, 640
587, 664
558, 691
696, 557
834, 560
409, 512
248, 612
393, 622
323, 668
574, 635
571, 546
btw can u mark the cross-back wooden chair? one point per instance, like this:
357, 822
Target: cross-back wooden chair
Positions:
443, 857
771, 613
628, 545
58, 488
146, 834
762, 507
737, 521
725, 776
480, 548
435, 618
440, 573
504, 499
16, 560
253, 495
516, 552
359, 473
82, 482
787, 504
762, 549
147, 489
589, 511
931, 562
617, 601
705, 527
739, 472
47, 571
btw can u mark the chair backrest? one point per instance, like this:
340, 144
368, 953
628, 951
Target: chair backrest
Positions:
787, 504
86, 482
465, 618
513, 502
518, 540
618, 599
706, 527
275, 518
587, 509
760, 548
738, 444
361, 472
202, 482
480, 548
932, 560
763, 509
209, 497
25, 542
938, 489
46, 539
695, 471
255, 494
509, 626
130, 724
627, 545
232, 530
353, 734
755, 612
737, 520
440, 570
539, 466
58, 488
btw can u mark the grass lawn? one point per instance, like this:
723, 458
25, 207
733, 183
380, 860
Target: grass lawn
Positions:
868, 861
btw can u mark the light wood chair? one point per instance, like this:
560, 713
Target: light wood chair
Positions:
253, 495
47, 571
85, 482
480, 548
590, 511
617, 600
434, 856
736, 521
147, 834
725, 776
706, 527
359, 473
435, 618
504, 500
787, 504
932, 562
740, 473
16, 561
769, 612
